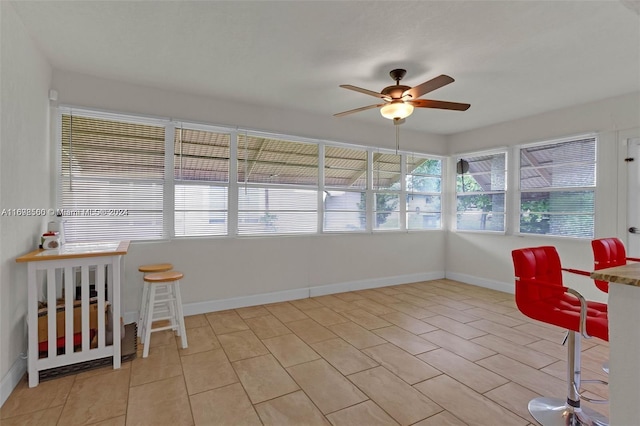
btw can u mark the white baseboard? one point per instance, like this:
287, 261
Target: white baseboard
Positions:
12, 378
374, 283
481, 282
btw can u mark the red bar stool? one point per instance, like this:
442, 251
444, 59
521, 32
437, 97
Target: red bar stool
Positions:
540, 295
172, 298
148, 269
607, 253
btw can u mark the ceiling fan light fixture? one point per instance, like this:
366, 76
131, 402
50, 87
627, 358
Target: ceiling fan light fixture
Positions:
397, 109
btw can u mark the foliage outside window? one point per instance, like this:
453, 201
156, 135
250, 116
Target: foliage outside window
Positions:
386, 190
557, 188
423, 199
480, 193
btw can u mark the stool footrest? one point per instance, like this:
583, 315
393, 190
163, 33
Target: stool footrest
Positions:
167, 327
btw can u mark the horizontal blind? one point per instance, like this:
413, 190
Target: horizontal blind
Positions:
201, 176
387, 175
557, 188
423, 198
344, 197
111, 179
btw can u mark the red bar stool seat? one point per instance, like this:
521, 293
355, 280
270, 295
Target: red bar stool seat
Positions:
540, 295
607, 253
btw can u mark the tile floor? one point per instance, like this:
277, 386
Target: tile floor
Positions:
429, 353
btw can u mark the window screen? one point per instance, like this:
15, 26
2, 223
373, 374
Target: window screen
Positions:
344, 197
386, 195
111, 179
423, 198
480, 192
557, 188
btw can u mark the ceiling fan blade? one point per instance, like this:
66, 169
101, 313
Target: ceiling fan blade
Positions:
351, 111
365, 91
428, 103
429, 86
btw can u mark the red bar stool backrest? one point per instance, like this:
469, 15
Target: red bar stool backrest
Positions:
607, 253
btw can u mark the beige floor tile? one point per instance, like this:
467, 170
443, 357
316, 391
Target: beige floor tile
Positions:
401, 401
407, 367
252, 312
523, 354
408, 323
470, 406
241, 345
405, 340
162, 338
263, 378
349, 296
357, 336
267, 326
200, 339
514, 398
471, 374
227, 322
207, 370
294, 409
553, 349
505, 332
443, 418
366, 319
494, 307
378, 296
455, 314
372, 307
310, 331
96, 398
46, 417
559, 369
447, 299
494, 317
365, 413
115, 421
334, 303
226, 406
415, 300
343, 356
194, 321
290, 350
163, 362
306, 304
325, 316
102, 370
411, 310
538, 381
286, 312
159, 403
326, 387
454, 327
47, 394
463, 347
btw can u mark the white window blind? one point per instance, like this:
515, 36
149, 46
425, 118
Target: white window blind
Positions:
201, 176
423, 198
345, 184
557, 188
480, 192
277, 186
387, 184
111, 179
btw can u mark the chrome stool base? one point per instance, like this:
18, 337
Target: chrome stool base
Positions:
556, 412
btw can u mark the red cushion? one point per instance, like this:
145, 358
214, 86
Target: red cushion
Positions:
77, 340
540, 294
607, 253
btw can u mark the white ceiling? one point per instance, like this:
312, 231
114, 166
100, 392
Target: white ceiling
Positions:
510, 59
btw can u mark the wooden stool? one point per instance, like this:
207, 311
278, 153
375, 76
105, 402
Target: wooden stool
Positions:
172, 297
148, 269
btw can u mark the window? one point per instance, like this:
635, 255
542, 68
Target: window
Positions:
480, 192
345, 184
201, 176
387, 178
557, 186
423, 180
111, 178
278, 186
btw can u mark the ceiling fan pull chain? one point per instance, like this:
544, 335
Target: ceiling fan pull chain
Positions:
397, 139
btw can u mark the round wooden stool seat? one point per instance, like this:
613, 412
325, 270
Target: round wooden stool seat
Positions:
163, 277
156, 267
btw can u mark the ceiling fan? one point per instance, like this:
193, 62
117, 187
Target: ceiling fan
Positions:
400, 100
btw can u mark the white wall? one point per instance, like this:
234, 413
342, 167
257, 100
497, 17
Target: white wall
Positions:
230, 268
486, 259
25, 176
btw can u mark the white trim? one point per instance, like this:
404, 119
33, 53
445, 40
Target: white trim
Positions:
244, 301
374, 283
481, 282
12, 378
